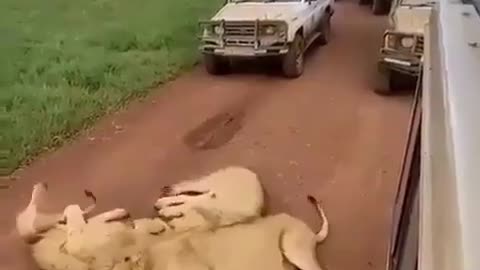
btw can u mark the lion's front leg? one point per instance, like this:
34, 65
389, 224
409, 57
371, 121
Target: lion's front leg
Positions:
169, 213
176, 205
189, 188
183, 219
112, 215
183, 201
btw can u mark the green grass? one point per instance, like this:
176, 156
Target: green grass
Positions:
65, 63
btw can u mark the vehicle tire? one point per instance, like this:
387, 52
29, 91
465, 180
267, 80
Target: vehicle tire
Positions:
292, 62
383, 83
400, 81
379, 7
325, 30
216, 65
397, 81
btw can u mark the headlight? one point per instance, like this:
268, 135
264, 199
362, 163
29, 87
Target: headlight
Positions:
391, 41
218, 30
407, 42
270, 30
207, 31
399, 42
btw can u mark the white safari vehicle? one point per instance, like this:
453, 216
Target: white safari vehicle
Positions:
258, 28
401, 52
436, 218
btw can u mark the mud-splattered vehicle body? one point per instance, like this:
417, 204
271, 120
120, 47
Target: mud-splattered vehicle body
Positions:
401, 51
436, 224
258, 28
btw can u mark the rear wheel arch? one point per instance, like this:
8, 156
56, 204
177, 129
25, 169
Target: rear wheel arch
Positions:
329, 10
300, 32
292, 61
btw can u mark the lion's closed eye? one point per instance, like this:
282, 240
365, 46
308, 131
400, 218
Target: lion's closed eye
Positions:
192, 193
175, 204
157, 232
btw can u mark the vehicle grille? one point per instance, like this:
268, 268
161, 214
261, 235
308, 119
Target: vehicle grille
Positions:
419, 45
239, 29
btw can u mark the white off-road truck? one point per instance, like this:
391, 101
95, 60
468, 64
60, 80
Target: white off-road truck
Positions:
259, 28
401, 52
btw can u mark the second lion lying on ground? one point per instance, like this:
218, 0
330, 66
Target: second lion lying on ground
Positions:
105, 244
261, 244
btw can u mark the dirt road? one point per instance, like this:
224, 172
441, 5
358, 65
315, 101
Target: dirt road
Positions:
325, 134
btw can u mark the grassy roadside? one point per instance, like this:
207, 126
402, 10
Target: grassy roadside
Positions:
64, 63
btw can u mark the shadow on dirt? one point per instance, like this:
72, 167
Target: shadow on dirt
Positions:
403, 92
268, 66
401, 85
404, 87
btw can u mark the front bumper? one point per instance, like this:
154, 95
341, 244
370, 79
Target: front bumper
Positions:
394, 56
237, 51
245, 39
400, 62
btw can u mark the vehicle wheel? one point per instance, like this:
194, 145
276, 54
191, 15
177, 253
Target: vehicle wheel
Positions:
292, 62
325, 30
400, 81
383, 83
397, 81
216, 65
379, 7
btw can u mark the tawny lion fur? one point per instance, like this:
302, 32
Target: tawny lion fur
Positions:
195, 200
225, 197
31, 222
256, 245
235, 242
260, 244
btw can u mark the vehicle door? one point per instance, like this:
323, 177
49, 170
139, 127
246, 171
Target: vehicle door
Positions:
311, 13
403, 244
316, 10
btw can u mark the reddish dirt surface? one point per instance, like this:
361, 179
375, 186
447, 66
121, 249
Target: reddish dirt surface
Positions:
325, 134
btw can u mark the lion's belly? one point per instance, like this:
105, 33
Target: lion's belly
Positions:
240, 247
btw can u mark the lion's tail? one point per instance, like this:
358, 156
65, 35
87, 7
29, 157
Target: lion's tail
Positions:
323, 232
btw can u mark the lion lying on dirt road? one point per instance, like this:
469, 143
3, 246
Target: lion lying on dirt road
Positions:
260, 244
210, 201
225, 197
107, 242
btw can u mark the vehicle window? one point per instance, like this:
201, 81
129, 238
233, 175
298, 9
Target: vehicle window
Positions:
475, 3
